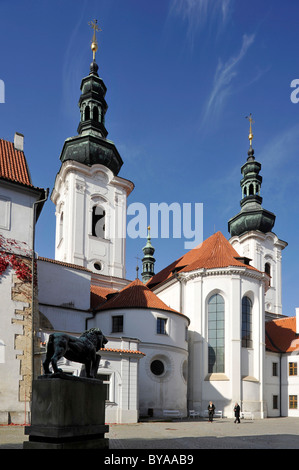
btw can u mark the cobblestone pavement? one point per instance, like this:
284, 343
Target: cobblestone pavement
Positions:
271, 433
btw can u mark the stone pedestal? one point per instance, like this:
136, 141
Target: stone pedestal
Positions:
67, 413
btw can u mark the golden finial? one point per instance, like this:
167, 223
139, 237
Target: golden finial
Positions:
251, 121
94, 42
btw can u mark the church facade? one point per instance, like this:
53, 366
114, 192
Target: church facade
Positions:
207, 327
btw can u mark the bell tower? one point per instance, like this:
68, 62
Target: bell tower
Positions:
251, 231
148, 261
90, 197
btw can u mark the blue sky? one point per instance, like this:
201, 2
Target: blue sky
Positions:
181, 77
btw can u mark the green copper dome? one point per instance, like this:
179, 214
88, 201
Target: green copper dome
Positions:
148, 261
252, 216
90, 146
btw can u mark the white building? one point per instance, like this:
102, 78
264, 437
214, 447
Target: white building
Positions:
197, 331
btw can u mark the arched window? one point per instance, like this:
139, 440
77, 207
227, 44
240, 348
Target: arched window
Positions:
87, 113
216, 334
251, 190
268, 271
98, 222
95, 114
60, 227
246, 323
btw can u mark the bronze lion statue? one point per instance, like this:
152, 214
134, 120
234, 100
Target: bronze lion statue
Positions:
78, 349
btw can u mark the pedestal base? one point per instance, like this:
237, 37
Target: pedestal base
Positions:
67, 413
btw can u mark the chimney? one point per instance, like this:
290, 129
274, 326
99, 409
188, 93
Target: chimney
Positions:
19, 141
297, 321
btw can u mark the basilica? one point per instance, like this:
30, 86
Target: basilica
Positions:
209, 326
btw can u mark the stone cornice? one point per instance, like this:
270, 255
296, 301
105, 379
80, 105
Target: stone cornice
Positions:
227, 271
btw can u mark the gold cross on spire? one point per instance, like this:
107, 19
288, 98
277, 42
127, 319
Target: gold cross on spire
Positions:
251, 121
94, 42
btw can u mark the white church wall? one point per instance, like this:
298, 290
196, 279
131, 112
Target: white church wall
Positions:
65, 319
158, 389
142, 323
63, 286
171, 295
240, 362
166, 390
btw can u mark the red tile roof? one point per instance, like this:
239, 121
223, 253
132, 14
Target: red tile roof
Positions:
135, 295
13, 165
62, 263
127, 351
98, 295
214, 252
281, 335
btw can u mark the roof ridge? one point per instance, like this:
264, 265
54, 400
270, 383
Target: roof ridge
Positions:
13, 163
136, 295
214, 252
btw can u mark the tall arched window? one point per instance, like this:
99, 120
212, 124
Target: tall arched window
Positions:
216, 334
87, 113
60, 227
95, 114
246, 323
268, 271
98, 222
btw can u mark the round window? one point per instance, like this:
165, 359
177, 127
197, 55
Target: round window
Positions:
97, 266
157, 367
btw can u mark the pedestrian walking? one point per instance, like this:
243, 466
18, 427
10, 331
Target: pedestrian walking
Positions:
237, 413
211, 410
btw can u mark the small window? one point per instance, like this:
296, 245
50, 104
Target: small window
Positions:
117, 324
157, 367
275, 402
98, 266
293, 402
275, 369
5, 208
292, 368
161, 326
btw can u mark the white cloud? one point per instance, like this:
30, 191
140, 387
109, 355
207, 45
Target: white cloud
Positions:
224, 75
197, 13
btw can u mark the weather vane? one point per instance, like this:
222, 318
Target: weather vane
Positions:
94, 42
251, 121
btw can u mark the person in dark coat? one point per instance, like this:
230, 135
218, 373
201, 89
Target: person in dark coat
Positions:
237, 413
211, 410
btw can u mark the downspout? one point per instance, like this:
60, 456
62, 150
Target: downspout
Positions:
33, 273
